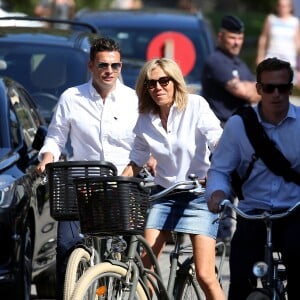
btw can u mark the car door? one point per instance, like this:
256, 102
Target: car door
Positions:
44, 226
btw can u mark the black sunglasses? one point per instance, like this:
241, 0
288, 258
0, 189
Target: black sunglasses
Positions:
269, 88
114, 66
152, 83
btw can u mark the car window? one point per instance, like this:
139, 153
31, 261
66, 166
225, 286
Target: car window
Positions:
38, 67
26, 116
14, 127
134, 44
45, 71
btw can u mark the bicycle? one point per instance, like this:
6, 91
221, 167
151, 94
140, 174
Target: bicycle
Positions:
270, 273
63, 207
125, 200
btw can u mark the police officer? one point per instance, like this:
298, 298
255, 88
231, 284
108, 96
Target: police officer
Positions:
227, 81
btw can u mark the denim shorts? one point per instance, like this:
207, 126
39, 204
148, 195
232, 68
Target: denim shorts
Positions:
183, 212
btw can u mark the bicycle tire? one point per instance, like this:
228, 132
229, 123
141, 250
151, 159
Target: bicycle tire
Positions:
104, 271
188, 288
186, 284
78, 262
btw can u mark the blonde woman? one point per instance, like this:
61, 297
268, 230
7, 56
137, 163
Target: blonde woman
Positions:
180, 131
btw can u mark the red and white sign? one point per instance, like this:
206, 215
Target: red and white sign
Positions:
174, 45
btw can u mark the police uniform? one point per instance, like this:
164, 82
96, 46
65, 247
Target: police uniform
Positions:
219, 68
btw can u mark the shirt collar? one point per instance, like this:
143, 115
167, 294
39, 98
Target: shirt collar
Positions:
95, 95
290, 114
174, 108
235, 59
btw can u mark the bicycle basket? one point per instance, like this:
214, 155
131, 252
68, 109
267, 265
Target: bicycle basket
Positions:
111, 205
62, 193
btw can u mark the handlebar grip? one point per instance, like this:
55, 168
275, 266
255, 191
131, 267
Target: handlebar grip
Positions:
223, 204
147, 184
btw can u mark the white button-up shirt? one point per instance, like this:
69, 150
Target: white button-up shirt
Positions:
97, 131
184, 148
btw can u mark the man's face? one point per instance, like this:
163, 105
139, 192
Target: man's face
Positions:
230, 42
105, 69
275, 89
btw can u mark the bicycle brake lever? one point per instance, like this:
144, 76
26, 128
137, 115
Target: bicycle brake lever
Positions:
199, 190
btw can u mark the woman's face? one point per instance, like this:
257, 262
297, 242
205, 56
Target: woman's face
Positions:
284, 7
161, 88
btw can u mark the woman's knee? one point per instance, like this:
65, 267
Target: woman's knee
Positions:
205, 278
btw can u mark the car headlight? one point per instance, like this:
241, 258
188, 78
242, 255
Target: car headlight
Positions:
6, 190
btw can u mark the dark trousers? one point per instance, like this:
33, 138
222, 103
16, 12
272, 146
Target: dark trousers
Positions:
247, 247
67, 238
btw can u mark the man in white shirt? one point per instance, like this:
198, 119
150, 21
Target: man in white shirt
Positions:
99, 117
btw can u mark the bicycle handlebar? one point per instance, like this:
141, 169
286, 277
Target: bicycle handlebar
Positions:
191, 186
265, 215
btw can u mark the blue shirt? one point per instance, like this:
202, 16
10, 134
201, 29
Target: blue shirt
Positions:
263, 189
219, 68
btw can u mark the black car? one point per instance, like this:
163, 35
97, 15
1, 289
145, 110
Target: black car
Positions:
45, 60
28, 233
145, 34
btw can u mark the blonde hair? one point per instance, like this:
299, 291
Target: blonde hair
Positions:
172, 70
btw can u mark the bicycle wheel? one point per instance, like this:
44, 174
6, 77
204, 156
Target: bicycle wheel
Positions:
186, 284
188, 288
78, 263
107, 282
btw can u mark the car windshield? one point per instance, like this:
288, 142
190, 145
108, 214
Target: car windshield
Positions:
45, 71
135, 45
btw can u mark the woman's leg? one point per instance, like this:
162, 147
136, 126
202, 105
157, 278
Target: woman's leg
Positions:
205, 261
157, 240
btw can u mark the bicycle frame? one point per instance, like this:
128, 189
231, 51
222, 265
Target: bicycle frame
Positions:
136, 269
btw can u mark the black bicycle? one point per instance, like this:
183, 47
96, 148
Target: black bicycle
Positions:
270, 273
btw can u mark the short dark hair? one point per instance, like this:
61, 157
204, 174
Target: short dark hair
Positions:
103, 44
274, 64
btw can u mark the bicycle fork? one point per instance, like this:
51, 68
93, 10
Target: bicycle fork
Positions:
267, 270
132, 276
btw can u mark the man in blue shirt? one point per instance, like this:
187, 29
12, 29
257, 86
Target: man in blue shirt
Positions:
263, 190
227, 85
227, 81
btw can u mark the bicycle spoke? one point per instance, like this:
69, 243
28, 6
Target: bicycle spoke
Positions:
108, 287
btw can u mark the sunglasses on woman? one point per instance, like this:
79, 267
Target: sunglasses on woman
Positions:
152, 83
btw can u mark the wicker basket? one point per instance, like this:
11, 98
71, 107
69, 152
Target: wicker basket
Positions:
111, 205
62, 193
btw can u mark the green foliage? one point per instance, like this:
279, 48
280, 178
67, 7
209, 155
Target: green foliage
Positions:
27, 6
263, 7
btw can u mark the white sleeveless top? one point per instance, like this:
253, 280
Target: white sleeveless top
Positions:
282, 39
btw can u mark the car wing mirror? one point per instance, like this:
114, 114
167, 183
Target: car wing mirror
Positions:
39, 137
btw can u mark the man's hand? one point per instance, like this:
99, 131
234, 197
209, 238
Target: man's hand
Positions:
151, 165
47, 158
214, 202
